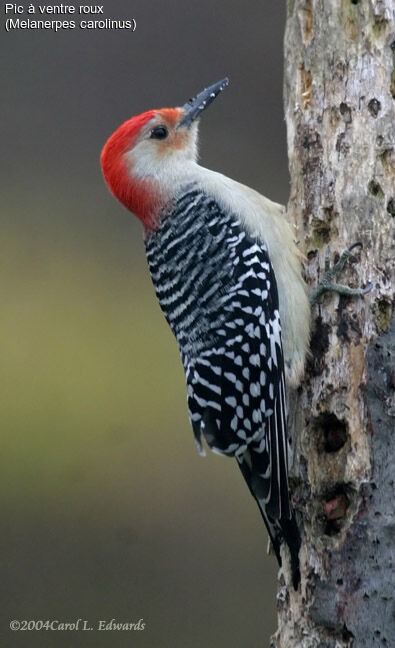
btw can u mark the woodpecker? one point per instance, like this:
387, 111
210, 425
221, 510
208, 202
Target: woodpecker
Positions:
227, 275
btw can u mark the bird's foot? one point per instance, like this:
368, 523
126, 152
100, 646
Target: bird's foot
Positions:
327, 284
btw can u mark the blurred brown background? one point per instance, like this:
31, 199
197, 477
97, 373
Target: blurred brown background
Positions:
108, 511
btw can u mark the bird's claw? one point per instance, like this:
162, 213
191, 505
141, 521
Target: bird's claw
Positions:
327, 284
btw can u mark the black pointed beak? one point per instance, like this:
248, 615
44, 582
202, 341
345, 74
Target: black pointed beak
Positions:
195, 106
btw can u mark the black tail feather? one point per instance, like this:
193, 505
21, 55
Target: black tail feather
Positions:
284, 528
291, 536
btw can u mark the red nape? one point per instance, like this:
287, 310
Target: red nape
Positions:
139, 197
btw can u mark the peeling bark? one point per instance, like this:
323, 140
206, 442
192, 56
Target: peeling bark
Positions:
339, 105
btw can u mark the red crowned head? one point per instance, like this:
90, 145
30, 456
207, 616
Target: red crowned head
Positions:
149, 156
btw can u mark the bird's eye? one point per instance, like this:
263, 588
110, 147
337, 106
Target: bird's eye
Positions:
159, 132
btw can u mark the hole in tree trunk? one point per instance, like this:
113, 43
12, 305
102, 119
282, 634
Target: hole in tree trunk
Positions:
347, 635
319, 345
332, 432
335, 508
375, 189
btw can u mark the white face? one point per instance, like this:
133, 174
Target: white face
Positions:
163, 152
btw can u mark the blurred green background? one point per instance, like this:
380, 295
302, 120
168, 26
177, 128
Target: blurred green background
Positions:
107, 509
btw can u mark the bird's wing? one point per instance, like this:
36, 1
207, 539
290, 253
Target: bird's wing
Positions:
236, 392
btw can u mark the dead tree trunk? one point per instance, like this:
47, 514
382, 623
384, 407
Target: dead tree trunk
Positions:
339, 94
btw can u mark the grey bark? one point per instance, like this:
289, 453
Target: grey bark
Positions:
339, 107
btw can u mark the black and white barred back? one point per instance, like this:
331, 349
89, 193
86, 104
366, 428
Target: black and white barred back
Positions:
217, 289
